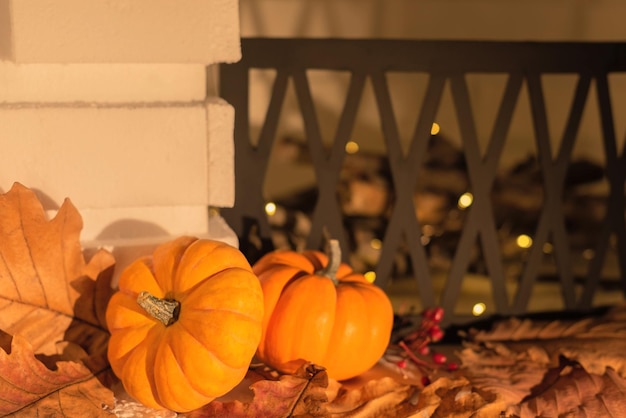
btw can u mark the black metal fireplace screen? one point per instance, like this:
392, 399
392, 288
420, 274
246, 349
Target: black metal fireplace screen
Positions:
522, 64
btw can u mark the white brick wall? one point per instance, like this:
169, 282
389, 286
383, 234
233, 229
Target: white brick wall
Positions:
97, 83
126, 31
106, 103
108, 157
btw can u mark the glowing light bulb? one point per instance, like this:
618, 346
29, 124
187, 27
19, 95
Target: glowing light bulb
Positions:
479, 309
434, 130
270, 208
465, 201
352, 147
376, 244
370, 276
524, 241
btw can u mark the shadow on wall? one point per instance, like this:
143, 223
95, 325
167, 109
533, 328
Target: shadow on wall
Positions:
6, 40
47, 202
128, 240
125, 239
131, 228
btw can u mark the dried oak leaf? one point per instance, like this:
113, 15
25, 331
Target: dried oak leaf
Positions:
502, 376
28, 388
299, 395
382, 397
453, 397
48, 293
570, 391
597, 343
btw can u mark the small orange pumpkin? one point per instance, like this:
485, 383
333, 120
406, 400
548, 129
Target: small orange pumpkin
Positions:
184, 324
319, 310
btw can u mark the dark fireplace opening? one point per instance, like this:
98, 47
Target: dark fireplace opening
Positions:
486, 183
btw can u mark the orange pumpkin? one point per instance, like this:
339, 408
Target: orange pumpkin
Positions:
319, 310
185, 323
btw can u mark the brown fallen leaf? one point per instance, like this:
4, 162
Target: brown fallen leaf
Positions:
382, 397
570, 391
453, 397
48, 293
597, 343
510, 361
503, 376
378, 394
299, 395
28, 388
45, 283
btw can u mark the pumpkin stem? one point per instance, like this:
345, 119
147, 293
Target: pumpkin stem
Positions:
165, 310
333, 251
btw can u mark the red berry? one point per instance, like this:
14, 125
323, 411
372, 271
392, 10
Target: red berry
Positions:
439, 358
435, 333
452, 366
401, 363
425, 381
437, 314
434, 314
425, 350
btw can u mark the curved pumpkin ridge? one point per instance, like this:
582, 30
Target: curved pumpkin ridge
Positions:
347, 347
138, 373
273, 283
165, 260
172, 384
356, 344
300, 324
215, 293
209, 349
138, 277
202, 368
230, 337
344, 272
124, 312
203, 259
320, 260
352, 277
121, 345
288, 259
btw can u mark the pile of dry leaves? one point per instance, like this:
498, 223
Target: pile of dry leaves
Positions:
53, 343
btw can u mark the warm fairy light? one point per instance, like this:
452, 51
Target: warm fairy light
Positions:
524, 241
376, 244
270, 208
434, 130
466, 200
352, 147
479, 309
370, 276
547, 248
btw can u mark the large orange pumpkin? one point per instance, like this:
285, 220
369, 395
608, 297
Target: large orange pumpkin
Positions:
319, 310
185, 323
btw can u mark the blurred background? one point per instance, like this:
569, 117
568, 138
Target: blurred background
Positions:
443, 193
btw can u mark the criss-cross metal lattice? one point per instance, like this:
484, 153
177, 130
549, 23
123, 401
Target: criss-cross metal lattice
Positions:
444, 62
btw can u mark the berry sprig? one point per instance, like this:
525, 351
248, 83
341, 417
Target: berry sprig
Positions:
415, 345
